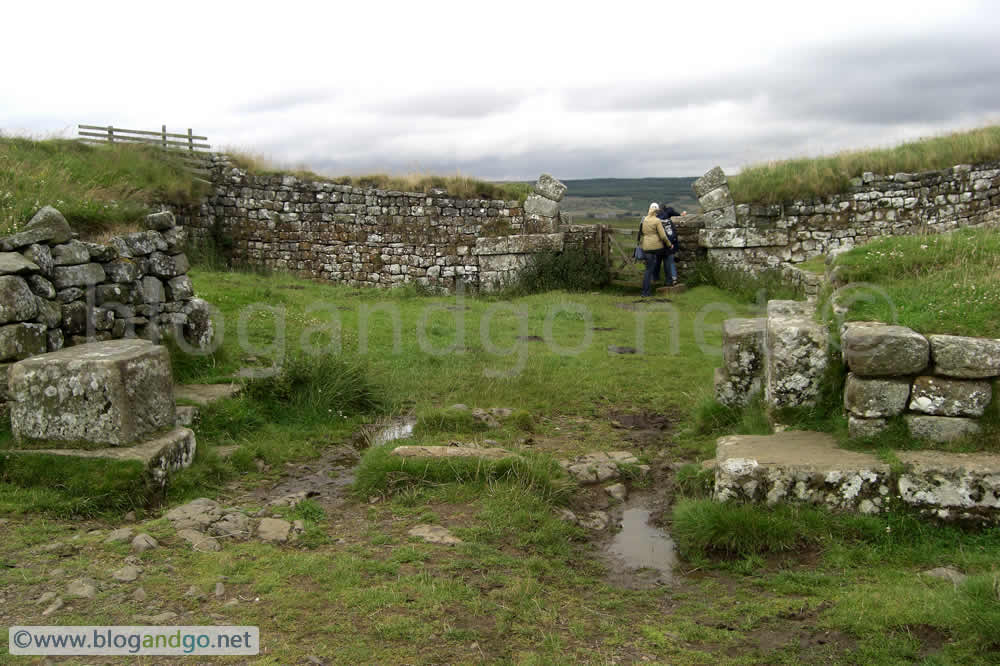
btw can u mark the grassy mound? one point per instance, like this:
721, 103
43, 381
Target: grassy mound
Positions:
806, 178
98, 188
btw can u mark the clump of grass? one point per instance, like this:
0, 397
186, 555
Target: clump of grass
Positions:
808, 178
570, 270
943, 283
96, 187
457, 186
314, 388
448, 419
714, 418
758, 287
694, 481
381, 472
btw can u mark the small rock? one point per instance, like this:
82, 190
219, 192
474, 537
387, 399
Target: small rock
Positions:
45, 598
595, 520
299, 526
120, 535
199, 541
82, 587
434, 534
130, 517
220, 590
139, 594
127, 574
53, 607
273, 530
143, 542
947, 573
618, 491
194, 593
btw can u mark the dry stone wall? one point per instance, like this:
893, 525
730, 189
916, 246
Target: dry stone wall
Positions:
58, 291
381, 238
757, 237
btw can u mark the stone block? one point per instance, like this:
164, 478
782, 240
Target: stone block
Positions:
858, 428
159, 221
70, 253
160, 455
799, 467
114, 293
49, 312
114, 393
46, 226
83, 275
41, 256
717, 199
41, 286
722, 238
797, 358
952, 486
713, 179
101, 253
536, 204
12, 263
163, 265
122, 270
879, 350
941, 429
152, 290
965, 358
550, 188
723, 218
875, 398
743, 346
199, 331
139, 244
179, 288
17, 302
18, 341
950, 397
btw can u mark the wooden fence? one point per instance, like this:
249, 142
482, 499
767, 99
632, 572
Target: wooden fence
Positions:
196, 156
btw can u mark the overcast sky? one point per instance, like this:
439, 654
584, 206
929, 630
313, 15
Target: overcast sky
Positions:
507, 90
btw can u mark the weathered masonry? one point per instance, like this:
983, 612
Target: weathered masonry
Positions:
757, 237
371, 237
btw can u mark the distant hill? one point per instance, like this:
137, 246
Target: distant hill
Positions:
611, 198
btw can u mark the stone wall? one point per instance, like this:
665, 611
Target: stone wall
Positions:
381, 238
58, 291
940, 384
756, 237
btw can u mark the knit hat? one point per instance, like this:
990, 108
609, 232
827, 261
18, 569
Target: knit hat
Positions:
653, 207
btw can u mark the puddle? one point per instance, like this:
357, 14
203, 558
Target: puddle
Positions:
644, 549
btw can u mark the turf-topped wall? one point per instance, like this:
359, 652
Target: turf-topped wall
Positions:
372, 237
756, 237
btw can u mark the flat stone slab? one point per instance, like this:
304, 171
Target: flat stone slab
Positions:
452, 452
160, 455
808, 467
113, 393
204, 394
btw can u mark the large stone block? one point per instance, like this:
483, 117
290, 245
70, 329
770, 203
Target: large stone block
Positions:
879, 350
17, 302
12, 262
84, 275
160, 221
179, 288
41, 256
941, 429
717, 199
859, 428
712, 238
875, 398
19, 341
47, 226
724, 218
114, 393
71, 253
139, 244
122, 270
550, 188
797, 358
199, 331
962, 357
950, 397
713, 179
952, 486
536, 204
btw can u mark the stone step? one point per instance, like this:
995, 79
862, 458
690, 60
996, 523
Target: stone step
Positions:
808, 467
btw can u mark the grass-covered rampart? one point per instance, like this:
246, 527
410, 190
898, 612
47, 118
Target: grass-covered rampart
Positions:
811, 177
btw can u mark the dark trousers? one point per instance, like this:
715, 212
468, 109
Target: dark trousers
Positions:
653, 260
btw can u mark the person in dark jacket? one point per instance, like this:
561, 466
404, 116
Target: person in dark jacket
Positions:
665, 213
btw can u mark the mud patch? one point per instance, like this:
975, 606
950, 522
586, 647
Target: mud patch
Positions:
605, 328
615, 349
643, 420
640, 545
530, 338
290, 286
644, 305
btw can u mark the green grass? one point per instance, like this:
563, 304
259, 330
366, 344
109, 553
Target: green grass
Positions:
943, 283
807, 178
98, 188
757, 287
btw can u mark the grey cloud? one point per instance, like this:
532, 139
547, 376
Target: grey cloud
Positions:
286, 101
450, 104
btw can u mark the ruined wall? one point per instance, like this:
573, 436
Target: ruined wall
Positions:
372, 237
756, 237
58, 291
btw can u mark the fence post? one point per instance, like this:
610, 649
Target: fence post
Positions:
190, 141
111, 134
163, 131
